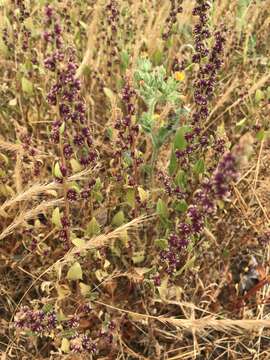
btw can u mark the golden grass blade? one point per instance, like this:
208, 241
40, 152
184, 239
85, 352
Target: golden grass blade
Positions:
104, 239
5, 145
251, 91
30, 214
91, 38
198, 324
40, 188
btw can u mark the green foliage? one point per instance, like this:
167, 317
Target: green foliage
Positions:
162, 210
157, 89
93, 228
75, 272
72, 253
162, 244
118, 219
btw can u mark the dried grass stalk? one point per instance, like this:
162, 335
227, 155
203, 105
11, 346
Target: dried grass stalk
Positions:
201, 324
30, 214
104, 239
39, 188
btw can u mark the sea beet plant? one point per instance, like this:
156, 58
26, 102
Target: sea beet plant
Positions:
133, 158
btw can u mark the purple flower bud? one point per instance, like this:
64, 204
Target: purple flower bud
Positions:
72, 195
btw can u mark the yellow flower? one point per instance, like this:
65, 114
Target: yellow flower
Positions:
179, 75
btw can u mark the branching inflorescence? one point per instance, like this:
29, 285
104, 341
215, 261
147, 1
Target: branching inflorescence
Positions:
176, 8
204, 203
210, 62
70, 129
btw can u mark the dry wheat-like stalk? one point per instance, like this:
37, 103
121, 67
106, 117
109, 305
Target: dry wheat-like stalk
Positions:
5, 145
30, 214
29, 193
251, 91
103, 239
91, 38
198, 324
39, 188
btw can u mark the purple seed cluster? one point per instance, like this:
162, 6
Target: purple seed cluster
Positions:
41, 322
30, 150
113, 18
204, 204
37, 321
70, 129
82, 343
127, 131
210, 61
71, 125
170, 188
207, 77
201, 30
176, 8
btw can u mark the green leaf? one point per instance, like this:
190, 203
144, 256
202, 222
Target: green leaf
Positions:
199, 167
138, 257
109, 133
98, 196
181, 206
80, 243
143, 194
93, 228
75, 272
83, 25
173, 164
157, 57
241, 123
4, 158
161, 243
259, 95
60, 316
180, 142
162, 209
110, 95
47, 308
27, 86
268, 93
75, 165
188, 265
62, 128
86, 70
146, 122
98, 184
260, 135
56, 218
57, 171
162, 136
181, 179
65, 345
85, 289
3, 49
163, 288
130, 197
118, 219
124, 59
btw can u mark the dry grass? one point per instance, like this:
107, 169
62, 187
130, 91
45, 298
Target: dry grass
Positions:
189, 319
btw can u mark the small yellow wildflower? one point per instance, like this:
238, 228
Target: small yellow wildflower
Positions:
179, 75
